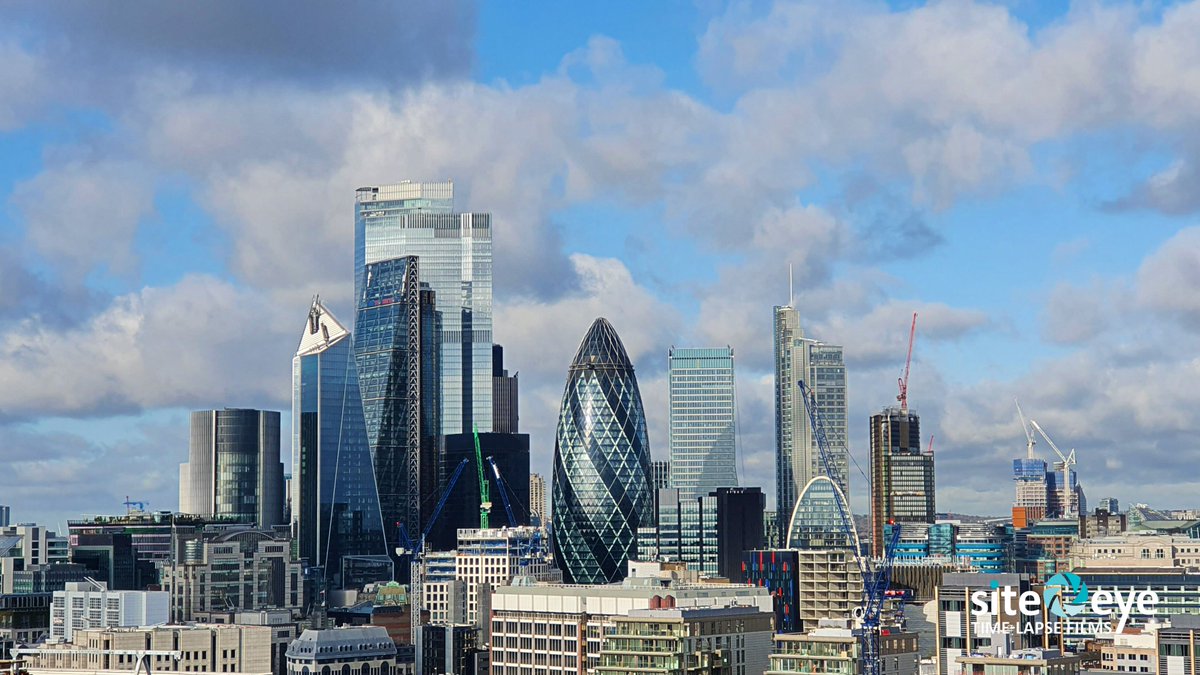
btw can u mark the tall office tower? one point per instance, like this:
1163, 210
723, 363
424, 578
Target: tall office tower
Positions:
397, 337
455, 249
739, 528
335, 502
703, 451
1109, 504
601, 490
5, 515
505, 396
510, 452
823, 370
233, 468
537, 500
1032, 501
902, 481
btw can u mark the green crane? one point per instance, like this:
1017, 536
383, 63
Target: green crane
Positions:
485, 497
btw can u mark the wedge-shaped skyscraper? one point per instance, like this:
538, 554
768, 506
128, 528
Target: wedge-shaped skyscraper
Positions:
602, 473
335, 505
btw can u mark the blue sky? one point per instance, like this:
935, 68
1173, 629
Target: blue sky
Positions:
176, 182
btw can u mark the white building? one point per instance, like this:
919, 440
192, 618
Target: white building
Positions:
201, 648
495, 556
361, 650
556, 629
679, 641
23, 546
833, 648
91, 605
702, 405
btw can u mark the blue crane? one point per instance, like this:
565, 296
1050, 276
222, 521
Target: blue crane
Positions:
876, 577
512, 520
416, 549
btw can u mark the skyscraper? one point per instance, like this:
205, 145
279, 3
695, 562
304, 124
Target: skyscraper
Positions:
902, 480
703, 452
505, 396
816, 521
455, 250
602, 474
233, 468
823, 370
335, 502
397, 339
537, 500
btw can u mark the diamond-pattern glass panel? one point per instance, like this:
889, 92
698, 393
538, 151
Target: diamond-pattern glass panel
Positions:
601, 491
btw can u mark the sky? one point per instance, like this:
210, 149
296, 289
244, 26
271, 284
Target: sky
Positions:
177, 182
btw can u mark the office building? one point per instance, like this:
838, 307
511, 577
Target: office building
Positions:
496, 556
560, 629
660, 474
962, 630
447, 648
506, 413
455, 250
816, 520
145, 536
739, 528
823, 370
1032, 493
335, 502
978, 546
707, 533
5, 515
537, 500
683, 641
443, 594
510, 452
602, 472
1042, 550
772, 530
234, 469
806, 585
702, 418
24, 620
1176, 642
1109, 504
232, 570
1132, 651
280, 622
24, 546
202, 649
91, 604
361, 650
833, 648
902, 481
48, 578
397, 338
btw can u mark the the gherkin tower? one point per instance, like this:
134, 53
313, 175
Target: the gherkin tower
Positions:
601, 462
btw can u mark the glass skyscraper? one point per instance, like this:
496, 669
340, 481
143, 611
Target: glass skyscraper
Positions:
601, 492
816, 520
703, 450
335, 503
233, 468
397, 342
797, 460
902, 480
455, 250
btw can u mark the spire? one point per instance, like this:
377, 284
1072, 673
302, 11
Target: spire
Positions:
321, 330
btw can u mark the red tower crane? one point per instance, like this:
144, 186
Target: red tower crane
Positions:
903, 382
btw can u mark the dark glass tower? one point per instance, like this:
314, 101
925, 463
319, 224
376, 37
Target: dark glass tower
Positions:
233, 468
602, 473
335, 505
397, 338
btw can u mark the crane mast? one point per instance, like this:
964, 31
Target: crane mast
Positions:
876, 577
485, 490
903, 382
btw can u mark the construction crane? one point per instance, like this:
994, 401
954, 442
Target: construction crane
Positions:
929, 450
902, 397
877, 577
416, 550
1066, 461
130, 505
512, 520
485, 490
1030, 441
1066, 464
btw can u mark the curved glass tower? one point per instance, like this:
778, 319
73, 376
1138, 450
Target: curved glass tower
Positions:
601, 489
816, 521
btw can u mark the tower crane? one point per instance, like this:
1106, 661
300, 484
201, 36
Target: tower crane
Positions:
876, 576
416, 550
512, 520
485, 496
1066, 464
1030, 441
903, 382
130, 505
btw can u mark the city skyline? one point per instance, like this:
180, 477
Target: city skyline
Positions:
170, 208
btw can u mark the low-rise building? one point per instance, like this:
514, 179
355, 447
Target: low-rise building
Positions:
362, 650
447, 648
831, 648
1133, 651
91, 604
283, 627
1033, 661
24, 619
202, 649
687, 641
1176, 646
48, 578
962, 629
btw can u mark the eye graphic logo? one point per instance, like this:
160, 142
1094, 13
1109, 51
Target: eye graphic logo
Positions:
1065, 595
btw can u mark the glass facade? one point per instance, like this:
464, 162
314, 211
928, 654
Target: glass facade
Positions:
685, 531
902, 479
816, 521
601, 492
821, 366
455, 250
335, 503
703, 451
397, 338
234, 469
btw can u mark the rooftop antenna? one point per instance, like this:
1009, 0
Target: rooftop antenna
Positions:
791, 288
